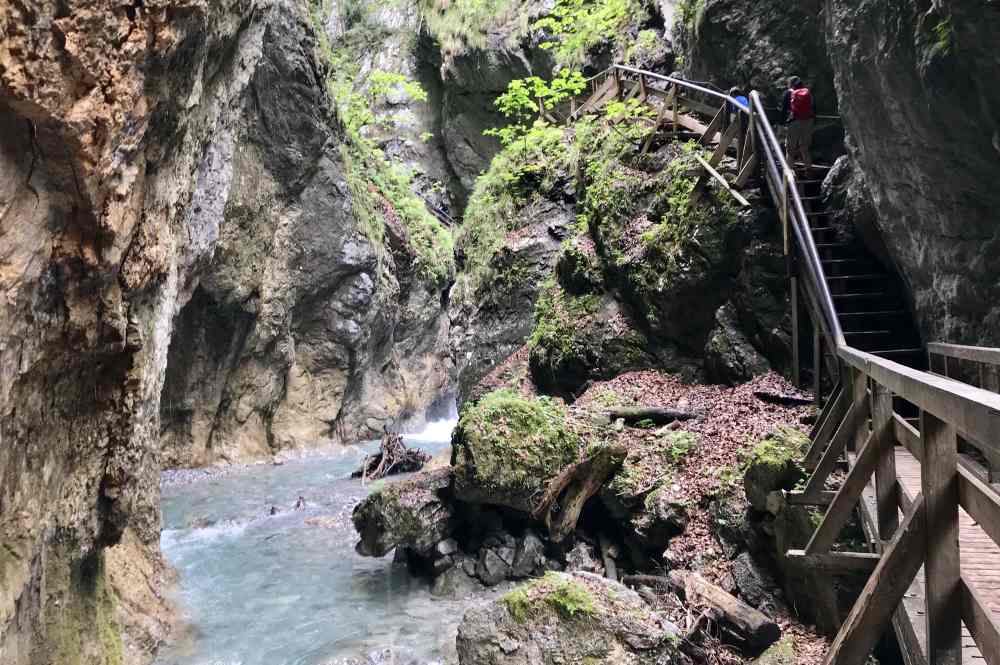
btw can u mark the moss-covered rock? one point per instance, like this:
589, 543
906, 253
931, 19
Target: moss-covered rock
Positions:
577, 618
507, 447
640, 495
673, 256
582, 338
781, 652
411, 514
773, 465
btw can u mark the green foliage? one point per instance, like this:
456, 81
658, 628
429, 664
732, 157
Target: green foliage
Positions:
645, 48
381, 190
944, 36
578, 26
648, 471
689, 14
557, 321
784, 446
523, 172
678, 444
527, 98
569, 598
463, 25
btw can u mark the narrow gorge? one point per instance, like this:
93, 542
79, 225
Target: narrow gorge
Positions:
244, 242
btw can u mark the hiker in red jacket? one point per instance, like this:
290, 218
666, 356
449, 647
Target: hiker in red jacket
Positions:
798, 109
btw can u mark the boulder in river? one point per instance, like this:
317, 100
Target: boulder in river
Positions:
567, 618
411, 513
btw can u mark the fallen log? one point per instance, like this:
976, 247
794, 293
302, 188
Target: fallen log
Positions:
393, 457
744, 626
782, 399
653, 581
573, 487
656, 415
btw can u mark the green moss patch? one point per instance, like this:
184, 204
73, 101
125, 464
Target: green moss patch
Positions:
507, 447
649, 468
562, 594
774, 464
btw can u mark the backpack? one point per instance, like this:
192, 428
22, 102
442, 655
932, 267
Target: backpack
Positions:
802, 104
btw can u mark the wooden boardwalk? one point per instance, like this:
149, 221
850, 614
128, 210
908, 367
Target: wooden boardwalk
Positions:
980, 568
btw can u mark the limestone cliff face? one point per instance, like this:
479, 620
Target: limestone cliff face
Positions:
175, 221
301, 332
917, 83
105, 110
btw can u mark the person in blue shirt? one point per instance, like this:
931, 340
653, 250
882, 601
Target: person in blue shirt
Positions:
741, 99
737, 94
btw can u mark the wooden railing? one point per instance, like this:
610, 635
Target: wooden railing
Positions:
980, 367
859, 427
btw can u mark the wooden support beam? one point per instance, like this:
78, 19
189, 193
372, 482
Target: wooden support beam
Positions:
818, 425
793, 291
839, 512
833, 415
817, 361
885, 589
749, 168
908, 436
826, 466
718, 176
981, 623
713, 127
942, 569
660, 117
981, 501
887, 501
835, 562
823, 498
859, 388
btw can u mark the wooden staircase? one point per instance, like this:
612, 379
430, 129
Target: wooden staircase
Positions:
868, 296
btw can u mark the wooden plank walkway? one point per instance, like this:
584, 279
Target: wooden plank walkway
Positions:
980, 566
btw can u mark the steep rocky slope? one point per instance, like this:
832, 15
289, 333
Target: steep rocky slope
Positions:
180, 218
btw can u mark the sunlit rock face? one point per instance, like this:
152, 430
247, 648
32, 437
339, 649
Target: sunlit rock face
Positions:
106, 110
175, 222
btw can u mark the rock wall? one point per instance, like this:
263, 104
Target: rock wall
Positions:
175, 222
105, 109
916, 83
301, 332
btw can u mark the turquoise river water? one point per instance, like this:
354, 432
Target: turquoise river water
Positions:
288, 588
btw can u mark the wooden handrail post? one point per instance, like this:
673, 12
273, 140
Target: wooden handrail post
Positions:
677, 94
886, 488
942, 567
817, 363
796, 359
859, 393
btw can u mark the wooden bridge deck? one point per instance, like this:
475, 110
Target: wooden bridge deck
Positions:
980, 568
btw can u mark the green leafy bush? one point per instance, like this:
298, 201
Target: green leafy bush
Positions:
578, 26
